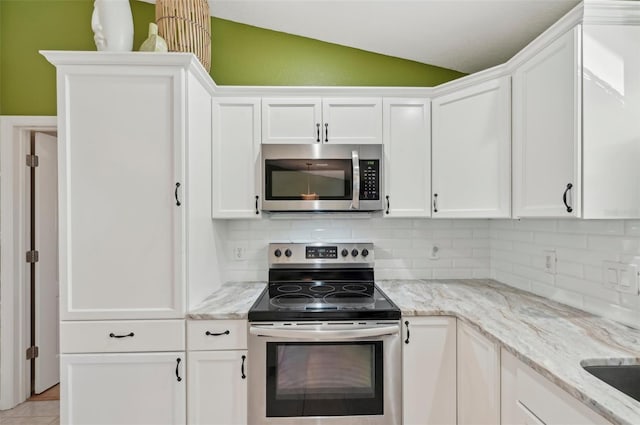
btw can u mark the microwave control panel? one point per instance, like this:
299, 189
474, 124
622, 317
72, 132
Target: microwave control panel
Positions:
370, 179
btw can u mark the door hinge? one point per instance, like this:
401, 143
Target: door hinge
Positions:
32, 352
32, 160
33, 256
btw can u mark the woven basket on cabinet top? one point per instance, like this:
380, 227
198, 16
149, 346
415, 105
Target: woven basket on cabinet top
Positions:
186, 27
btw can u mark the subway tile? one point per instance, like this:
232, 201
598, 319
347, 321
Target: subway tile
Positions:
470, 243
622, 244
567, 268
482, 273
541, 225
512, 280
470, 263
533, 274
592, 227
481, 253
512, 235
632, 227
554, 240
586, 287
452, 273
471, 224
571, 298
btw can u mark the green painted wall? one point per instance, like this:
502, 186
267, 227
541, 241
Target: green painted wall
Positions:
241, 55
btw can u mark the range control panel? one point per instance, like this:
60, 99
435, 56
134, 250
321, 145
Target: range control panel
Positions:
292, 254
370, 179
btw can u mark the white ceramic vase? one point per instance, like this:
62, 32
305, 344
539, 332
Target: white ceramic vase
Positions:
112, 25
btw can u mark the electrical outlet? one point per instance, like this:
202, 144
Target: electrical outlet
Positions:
550, 261
239, 253
621, 277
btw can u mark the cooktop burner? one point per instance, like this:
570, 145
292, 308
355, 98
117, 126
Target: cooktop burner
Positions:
312, 282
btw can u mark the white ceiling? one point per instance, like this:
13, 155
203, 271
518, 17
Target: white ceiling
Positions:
465, 35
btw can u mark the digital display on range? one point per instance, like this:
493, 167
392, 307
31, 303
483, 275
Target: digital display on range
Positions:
322, 252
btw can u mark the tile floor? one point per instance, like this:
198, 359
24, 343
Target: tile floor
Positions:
32, 413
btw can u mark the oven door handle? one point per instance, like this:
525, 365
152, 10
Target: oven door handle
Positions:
325, 335
355, 198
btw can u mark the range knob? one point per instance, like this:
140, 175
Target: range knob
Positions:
354, 252
287, 253
365, 252
344, 252
277, 253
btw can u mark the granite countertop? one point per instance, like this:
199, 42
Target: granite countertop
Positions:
550, 337
232, 301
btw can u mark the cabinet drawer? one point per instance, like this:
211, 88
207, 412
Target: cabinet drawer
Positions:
216, 335
122, 336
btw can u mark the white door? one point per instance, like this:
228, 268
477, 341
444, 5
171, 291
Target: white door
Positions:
217, 387
236, 158
123, 389
471, 148
292, 120
121, 195
547, 131
47, 364
429, 371
478, 378
407, 157
352, 120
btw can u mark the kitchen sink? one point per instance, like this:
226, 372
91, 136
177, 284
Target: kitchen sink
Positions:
624, 377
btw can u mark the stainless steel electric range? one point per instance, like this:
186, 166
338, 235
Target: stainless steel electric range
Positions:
324, 341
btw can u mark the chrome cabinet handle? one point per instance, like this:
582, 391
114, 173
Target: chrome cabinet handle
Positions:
207, 333
435, 202
388, 204
355, 198
175, 193
243, 375
406, 323
178, 360
112, 335
324, 335
564, 197
326, 132
318, 132
257, 210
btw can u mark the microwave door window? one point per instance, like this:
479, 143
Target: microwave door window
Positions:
302, 179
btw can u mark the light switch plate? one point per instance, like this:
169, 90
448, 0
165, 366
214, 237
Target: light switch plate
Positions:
550, 261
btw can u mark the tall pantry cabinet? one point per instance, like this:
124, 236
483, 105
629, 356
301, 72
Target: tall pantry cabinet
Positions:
134, 153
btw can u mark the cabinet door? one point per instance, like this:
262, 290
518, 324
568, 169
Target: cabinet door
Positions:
429, 371
123, 389
217, 388
293, 120
611, 91
472, 152
407, 161
352, 120
547, 131
121, 143
236, 158
478, 378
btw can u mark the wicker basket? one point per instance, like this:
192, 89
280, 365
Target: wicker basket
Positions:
186, 27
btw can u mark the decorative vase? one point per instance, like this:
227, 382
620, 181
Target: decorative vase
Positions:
112, 25
154, 43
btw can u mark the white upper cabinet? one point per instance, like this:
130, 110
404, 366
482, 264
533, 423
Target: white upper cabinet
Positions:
293, 120
327, 120
547, 131
236, 158
407, 157
352, 120
611, 139
471, 148
123, 185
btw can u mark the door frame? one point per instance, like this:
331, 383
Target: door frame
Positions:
15, 375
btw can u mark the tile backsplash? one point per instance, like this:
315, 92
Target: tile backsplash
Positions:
404, 248
581, 246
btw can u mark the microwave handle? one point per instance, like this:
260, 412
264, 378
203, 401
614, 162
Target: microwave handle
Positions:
355, 199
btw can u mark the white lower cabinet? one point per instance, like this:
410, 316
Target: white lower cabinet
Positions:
429, 370
125, 389
478, 378
530, 399
217, 390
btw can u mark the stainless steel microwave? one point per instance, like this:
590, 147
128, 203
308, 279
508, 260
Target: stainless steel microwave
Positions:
322, 177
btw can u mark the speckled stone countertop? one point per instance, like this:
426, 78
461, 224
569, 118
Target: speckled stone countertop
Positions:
232, 301
551, 338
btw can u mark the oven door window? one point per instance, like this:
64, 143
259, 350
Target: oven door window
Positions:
324, 379
308, 179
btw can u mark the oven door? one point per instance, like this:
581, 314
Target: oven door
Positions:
324, 373
321, 178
